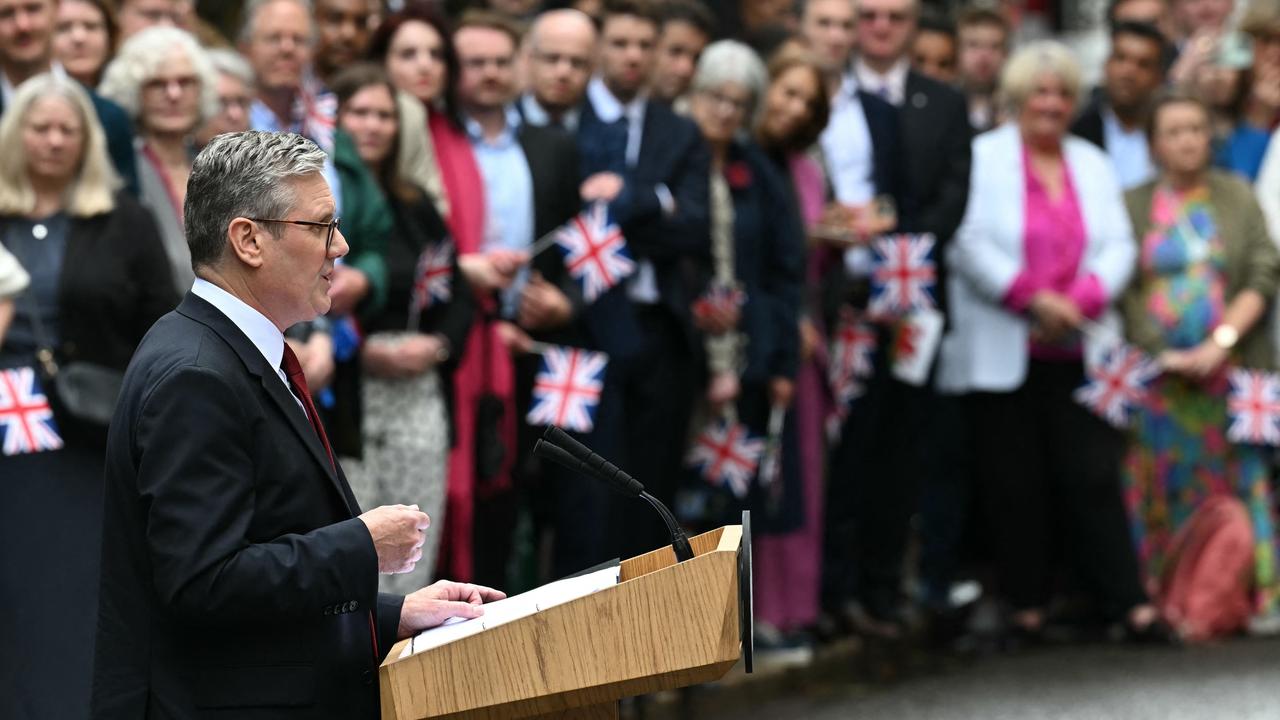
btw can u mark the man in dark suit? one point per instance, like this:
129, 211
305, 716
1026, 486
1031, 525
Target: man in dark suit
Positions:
239, 577
26, 50
531, 188
885, 447
1115, 119
652, 168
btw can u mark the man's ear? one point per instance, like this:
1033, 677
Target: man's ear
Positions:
247, 239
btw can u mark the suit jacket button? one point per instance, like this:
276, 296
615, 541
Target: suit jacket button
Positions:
354, 605
367, 677
328, 609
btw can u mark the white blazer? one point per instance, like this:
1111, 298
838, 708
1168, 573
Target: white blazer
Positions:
986, 346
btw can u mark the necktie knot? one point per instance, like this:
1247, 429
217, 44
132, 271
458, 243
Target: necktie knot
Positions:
293, 370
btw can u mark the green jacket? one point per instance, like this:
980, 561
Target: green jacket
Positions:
1252, 263
366, 220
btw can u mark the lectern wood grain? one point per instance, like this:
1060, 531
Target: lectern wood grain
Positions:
665, 625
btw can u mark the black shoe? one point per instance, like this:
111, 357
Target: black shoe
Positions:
1020, 638
1156, 632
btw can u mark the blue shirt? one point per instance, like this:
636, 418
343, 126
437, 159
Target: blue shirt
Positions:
1130, 155
508, 195
1242, 151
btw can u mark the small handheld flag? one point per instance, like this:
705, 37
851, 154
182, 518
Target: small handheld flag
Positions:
567, 388
1253, 407
595, 252
904, 276
433, 278
1117, 384
26, 420
726, 455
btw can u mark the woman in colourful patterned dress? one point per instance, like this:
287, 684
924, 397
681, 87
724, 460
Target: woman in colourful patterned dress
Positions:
1206, 271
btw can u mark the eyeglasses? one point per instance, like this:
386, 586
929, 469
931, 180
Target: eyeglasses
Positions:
894, 17
723, 101
332, 225
186, 83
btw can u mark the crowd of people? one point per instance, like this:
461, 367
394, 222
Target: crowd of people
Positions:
751, 154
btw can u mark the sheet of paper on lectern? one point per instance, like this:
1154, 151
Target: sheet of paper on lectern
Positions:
515, 607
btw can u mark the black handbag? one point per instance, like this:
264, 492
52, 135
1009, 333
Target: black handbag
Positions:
87, 391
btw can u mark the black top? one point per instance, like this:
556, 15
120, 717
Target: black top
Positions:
418, 226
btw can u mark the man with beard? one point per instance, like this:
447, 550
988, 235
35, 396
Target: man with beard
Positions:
1116, 119
530, 178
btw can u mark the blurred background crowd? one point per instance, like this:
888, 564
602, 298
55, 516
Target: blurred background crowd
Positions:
1084, 170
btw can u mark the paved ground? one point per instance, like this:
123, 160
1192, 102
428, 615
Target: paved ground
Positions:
1238, 680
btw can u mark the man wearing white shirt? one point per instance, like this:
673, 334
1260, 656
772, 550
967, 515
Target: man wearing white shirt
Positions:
1116, 118
887, 445
231, 540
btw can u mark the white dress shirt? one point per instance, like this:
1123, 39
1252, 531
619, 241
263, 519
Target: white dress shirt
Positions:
261, 332
7, 88
643, 286
537, 116
846, 147
892, 86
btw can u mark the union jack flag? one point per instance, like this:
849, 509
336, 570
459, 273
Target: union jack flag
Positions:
26, 420
853, 345
904, 274
595, 252
566, 390
433, 278
726, 455
1253, 407
1117, 384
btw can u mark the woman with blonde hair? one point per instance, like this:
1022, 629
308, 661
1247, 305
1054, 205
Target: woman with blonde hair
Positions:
1045, 246
99, 278
166, 83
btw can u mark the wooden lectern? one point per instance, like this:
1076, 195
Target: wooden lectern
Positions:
665, 625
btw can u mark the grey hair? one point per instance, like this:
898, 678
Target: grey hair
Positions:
729, 61
250, 15
242, 175
230, 62
1018, 80
143, 56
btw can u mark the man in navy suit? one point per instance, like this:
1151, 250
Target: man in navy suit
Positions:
886, 449
26, 50
239, 577
652, 168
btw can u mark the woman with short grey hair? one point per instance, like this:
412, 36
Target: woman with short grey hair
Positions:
235, 95
1044, 251
165, 81
750, 314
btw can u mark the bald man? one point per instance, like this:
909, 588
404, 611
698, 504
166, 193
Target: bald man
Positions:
560, 53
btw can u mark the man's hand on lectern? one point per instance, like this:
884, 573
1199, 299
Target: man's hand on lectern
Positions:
440, 601
397, 532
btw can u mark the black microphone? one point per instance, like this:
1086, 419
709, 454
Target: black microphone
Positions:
559, 448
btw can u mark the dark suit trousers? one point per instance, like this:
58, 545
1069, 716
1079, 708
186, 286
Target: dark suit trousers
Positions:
872, 492
51, 532
642, 427
1049, 471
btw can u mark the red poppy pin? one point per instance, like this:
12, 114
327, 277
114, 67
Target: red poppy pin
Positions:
738, 175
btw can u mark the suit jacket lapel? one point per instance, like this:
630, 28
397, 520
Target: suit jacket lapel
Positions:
200, 310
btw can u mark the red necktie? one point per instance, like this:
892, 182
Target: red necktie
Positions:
298, 384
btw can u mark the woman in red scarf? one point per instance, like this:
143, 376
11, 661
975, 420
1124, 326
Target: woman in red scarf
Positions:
415, 47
